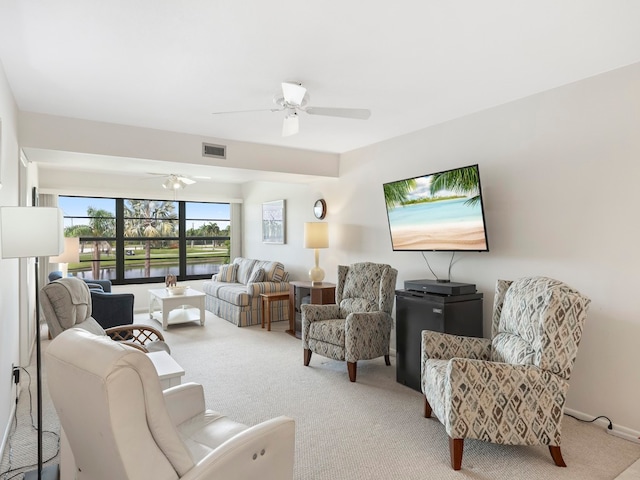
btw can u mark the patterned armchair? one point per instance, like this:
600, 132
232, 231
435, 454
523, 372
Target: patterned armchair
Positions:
358, 326
510, 389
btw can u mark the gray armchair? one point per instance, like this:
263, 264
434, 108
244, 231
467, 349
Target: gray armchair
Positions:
511, 389
358, 326
67, 303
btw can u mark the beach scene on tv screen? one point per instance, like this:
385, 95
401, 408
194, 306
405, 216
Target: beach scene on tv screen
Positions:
442, 211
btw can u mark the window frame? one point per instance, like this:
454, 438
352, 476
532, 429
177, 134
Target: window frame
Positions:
181, 238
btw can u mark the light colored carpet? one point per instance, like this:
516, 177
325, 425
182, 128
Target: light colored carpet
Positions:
371, 429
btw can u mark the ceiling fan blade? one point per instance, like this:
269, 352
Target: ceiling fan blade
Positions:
293, 93
249, 111
186, 180
290, 125
359, 113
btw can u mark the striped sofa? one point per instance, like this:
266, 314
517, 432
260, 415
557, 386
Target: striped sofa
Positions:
234, 292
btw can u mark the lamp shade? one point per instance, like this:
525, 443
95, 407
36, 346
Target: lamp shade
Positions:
316, 235
71, 253
30, 232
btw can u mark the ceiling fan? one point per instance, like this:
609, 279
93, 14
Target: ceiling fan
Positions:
294, 99
174, 181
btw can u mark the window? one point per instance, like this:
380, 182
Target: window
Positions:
142, 241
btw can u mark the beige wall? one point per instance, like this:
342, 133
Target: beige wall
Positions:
559, 172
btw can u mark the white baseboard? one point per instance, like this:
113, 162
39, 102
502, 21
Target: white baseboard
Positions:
616, 431
626, 433
7, 431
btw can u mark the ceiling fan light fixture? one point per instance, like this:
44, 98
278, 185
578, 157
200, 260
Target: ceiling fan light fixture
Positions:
290, 124
173, 183
294, 99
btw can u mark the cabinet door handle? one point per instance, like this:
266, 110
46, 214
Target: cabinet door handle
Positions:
437, 310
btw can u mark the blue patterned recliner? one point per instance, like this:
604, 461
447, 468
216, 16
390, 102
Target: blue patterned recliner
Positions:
358, 326
511, 389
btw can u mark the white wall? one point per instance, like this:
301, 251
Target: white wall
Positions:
38, 131
559, 172
9, 272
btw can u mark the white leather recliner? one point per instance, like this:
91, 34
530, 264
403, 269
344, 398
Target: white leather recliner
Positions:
121, 425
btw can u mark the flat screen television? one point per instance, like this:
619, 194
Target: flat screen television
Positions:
440, 211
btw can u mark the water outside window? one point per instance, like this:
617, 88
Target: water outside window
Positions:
153, 236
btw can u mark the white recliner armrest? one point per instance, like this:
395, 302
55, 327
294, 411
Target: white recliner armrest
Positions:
264, 451
184, 401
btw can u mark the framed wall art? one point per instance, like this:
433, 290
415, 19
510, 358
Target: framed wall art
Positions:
273, 222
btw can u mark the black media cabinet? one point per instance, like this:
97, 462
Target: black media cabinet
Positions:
418, 311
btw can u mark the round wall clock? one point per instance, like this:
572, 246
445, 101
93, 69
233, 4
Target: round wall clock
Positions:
320, 209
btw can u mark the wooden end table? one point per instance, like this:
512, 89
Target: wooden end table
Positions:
323, 293
266, 299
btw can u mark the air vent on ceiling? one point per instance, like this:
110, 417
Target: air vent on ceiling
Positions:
214, 151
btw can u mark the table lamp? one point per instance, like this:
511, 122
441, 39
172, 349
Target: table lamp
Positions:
316, 236
27, 232
71, 254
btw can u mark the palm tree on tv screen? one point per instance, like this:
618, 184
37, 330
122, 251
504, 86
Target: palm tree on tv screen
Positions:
397, 193
463, 181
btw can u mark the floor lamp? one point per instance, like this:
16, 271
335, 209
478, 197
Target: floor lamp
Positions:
32, 232
71, 254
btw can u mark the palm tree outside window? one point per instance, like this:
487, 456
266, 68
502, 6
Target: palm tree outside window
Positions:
141, 241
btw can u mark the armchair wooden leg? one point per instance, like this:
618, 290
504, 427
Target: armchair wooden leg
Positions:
456, 445
427, 408
307, 357
387, 360
557, 456
352, 367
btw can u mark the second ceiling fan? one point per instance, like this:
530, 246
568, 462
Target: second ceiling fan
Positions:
294, 99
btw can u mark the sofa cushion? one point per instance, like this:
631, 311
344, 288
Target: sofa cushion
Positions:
509, 348
228, 273
273, 271
256, 276
245, 267
235, 294
212, 288
279, 274
361, 291
329, 331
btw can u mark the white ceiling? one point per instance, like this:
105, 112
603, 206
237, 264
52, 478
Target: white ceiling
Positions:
414, 63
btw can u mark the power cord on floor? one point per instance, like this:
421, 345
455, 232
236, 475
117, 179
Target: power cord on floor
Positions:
33, 422
609, 427
33, 425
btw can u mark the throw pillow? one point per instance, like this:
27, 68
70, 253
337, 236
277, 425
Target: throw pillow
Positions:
256, 276
227, 273
278, 274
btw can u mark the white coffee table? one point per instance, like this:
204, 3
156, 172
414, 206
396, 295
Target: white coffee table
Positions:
169, 372
188, 307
